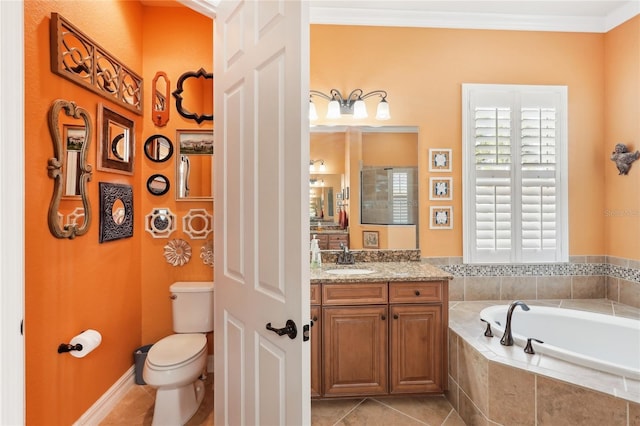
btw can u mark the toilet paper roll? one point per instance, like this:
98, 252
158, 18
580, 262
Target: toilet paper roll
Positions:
89, 339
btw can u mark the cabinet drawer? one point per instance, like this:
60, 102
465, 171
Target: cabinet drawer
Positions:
314, 294
354, 294
415, 292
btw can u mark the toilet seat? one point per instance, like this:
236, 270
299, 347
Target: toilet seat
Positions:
175, 350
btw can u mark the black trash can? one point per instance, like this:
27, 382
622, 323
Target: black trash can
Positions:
139, 357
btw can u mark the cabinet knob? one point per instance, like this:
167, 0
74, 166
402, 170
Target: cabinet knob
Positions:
315, 319
417, 292
384, 317
395, 316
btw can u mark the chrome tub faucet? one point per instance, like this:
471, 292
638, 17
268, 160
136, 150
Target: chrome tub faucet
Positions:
507, 337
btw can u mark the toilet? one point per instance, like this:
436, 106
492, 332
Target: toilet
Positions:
175, 363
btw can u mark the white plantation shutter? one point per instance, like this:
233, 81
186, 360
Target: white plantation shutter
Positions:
400, 196
514, 170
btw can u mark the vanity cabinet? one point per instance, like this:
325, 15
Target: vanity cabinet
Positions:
417, 337
380, 338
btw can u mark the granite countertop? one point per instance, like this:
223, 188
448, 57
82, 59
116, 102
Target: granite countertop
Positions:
383, 271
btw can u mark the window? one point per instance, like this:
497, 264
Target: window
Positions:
515, 173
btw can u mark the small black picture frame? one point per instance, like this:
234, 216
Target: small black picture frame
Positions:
116, 211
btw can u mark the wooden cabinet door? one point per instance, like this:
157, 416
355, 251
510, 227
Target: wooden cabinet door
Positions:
355, 350
416, 360
316, 334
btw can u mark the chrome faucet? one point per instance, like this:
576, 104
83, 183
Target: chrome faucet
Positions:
507, 337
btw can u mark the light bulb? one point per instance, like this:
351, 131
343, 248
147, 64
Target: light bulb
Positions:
322, 168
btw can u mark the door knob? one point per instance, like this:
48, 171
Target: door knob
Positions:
289, 329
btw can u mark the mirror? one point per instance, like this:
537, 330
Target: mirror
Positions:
116, 142
69, 169
194, 165
364, 166
160, 97
158, 148
116, 211
158, 184
160, 223
194, 95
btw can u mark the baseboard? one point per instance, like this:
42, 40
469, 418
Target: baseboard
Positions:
107, 402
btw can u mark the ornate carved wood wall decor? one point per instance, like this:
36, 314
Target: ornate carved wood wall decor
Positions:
81, 60
56, 169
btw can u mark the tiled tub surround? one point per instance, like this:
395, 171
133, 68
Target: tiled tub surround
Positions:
494, 384
584, 277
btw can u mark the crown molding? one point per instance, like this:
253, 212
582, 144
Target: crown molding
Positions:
470, 20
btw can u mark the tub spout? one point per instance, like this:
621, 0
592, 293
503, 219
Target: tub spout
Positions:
507, 337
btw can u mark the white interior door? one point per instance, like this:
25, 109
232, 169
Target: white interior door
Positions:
261, 193
11, 212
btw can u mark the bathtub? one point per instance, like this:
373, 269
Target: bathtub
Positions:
602, 342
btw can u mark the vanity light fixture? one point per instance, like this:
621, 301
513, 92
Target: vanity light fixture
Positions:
321, 168
352, 104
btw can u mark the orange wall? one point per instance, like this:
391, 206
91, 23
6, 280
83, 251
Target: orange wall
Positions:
422, 69
622, 124
119, 287
73, 285
176, 40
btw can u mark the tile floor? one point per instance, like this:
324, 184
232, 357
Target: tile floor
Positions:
136, 408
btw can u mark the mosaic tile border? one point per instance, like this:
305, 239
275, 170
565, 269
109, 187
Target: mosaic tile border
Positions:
611, 267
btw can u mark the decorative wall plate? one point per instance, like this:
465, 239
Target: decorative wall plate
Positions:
160, 223
206, 253
177, 252
197, 224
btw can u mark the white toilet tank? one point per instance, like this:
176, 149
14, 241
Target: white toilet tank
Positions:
192, 306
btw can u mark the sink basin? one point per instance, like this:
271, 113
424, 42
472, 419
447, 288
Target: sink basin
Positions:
352, 271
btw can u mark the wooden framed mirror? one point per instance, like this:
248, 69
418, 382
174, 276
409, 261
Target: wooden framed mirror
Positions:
69, 169
160, 99
116, 142
194, 95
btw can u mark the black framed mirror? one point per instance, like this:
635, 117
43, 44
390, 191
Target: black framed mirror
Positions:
194, 95
158, 148
158, 184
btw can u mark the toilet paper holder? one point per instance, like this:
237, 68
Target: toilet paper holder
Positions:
68, 347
